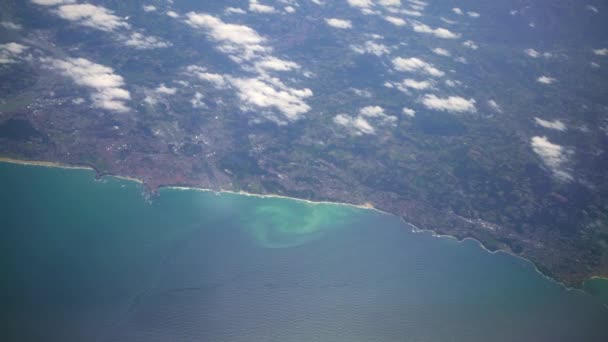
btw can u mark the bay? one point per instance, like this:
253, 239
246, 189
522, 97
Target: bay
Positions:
96, 260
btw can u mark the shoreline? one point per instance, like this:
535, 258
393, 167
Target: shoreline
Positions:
506, 252
596, 277
365, 206
43, 163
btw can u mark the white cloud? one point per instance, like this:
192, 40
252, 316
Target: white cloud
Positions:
395, 20
592, 9
149, 8
532, 53
411, 12
163, 89
289, 9
594, 65
452, 83
448, 21
172, 14
13, 48
361, 123
182, 83
96, 17
259, 93
389, 3
107, 87
10, 52
275, 64
409, 112
441, 52
197, 100
376, 7
10, 25
103, 19
374, 36
413, 84
151, 99
371, 47
416, 64
418, 5
240, 41
154, 97
473, 14
457, 11
553, 156
357, 126
52, 2
494, 106
438, 32
362, 92
140, 41
372, 111
601, 52
361, 3
556, 124
470, 44
217, 80
255, 6
546, 80
262, 94
536, 54
234, 10
339, 23
449, 104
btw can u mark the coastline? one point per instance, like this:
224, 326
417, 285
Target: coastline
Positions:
365, 206
597, 277
43, 163
63, 166
503, 251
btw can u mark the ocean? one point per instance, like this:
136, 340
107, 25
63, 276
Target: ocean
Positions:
97, 260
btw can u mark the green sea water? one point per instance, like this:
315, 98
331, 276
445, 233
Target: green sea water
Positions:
97, 260
597, 287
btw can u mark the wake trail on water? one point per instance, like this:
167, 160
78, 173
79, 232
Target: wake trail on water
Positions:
138, 298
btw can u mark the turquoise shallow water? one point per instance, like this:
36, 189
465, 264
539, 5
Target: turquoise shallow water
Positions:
87, 260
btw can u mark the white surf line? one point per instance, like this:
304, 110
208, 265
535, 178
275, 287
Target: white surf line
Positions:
366, 206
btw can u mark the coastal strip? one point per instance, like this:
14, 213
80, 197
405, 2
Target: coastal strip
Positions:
365, 206
43, 163
63, 166
416, 229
